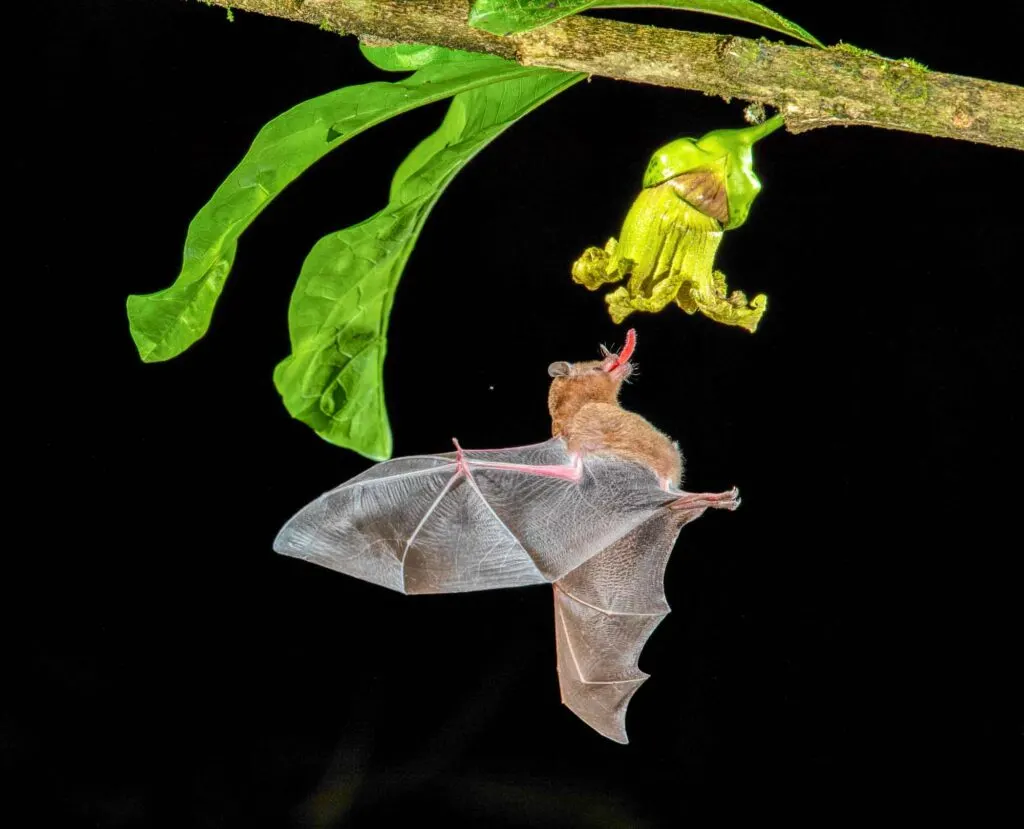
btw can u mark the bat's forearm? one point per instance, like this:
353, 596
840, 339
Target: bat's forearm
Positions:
566, 472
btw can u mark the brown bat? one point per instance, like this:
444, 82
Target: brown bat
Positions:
595, 511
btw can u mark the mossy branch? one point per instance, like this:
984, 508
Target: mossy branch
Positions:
811, 87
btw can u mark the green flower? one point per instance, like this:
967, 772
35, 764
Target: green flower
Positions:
694, 190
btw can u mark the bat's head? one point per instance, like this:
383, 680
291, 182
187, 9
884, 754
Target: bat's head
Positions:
573, 385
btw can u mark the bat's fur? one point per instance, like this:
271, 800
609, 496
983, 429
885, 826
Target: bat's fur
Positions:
585, 412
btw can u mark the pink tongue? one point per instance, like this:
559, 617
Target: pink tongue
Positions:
627, 350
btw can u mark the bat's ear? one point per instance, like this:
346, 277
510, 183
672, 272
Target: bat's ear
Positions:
559, 369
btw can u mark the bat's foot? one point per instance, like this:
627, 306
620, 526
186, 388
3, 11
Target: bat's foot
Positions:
705, 500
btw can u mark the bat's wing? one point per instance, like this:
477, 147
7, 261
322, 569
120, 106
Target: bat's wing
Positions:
601, 529
473, 520
605, 610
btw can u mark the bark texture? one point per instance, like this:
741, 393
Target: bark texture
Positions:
811, 87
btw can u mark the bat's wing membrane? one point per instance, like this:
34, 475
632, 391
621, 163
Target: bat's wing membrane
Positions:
605, 610
414, 525
563, 523
475, 521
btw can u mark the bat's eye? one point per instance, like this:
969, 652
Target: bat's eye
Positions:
559, 369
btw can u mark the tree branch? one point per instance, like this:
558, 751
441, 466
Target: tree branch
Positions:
811, 87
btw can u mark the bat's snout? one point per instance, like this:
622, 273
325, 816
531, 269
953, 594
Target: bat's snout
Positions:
623, 371
618, 365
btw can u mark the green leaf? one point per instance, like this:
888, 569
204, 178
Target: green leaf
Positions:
407, 57
333, 379
506, 17
165, 323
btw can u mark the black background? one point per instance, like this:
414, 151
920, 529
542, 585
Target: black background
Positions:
848, 638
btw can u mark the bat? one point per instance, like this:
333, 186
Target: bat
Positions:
594, 511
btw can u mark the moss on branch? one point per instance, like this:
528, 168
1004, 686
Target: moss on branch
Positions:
812, 88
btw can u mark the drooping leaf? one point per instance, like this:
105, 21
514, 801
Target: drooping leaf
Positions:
333, 379
165, 323
506, 17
